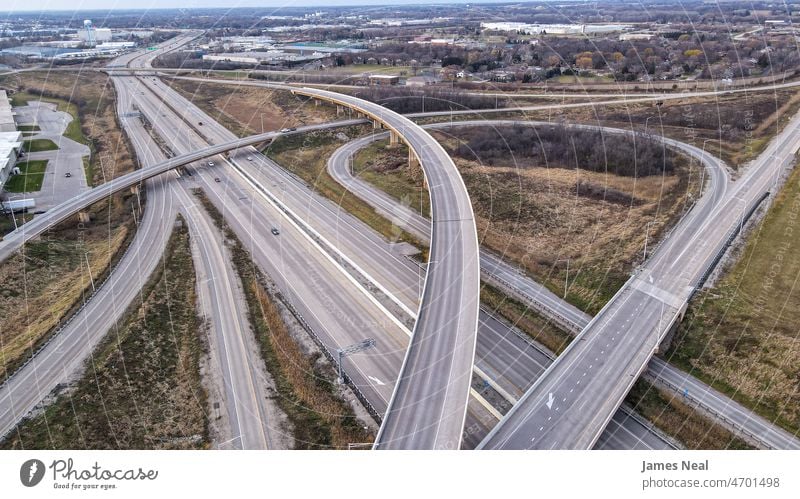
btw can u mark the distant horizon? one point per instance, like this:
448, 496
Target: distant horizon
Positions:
34, 6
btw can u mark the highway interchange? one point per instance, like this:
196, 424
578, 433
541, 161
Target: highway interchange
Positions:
242, 195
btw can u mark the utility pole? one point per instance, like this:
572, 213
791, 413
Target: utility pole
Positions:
646, 234
348, 350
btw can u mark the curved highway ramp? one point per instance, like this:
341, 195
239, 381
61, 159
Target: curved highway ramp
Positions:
429, 403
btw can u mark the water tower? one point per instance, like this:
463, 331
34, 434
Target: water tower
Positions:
87, 25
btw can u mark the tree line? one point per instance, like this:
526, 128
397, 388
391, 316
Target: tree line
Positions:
560, 146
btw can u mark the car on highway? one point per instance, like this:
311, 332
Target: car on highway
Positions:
216, 179
68, 174
275, 231
210, 163
200, 123
286, 130
249, 158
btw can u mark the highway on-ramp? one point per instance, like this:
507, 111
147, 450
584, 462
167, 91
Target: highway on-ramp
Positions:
569, 406
428, 406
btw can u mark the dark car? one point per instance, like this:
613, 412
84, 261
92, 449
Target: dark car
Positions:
68, 174
216, 179
275, 231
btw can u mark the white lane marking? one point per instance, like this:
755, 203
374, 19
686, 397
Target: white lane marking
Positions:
376, 380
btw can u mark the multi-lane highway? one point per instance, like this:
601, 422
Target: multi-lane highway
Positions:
63, 358
488, 366
501, 352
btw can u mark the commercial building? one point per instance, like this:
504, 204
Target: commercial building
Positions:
7, 123
94, 35
421, 81
553, 29
10, 144
268, 57
10, 140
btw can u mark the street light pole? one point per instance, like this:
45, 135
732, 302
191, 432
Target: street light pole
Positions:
646, 236
566, 277
703, 170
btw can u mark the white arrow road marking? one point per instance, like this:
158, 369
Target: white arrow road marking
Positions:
376, 380
550, 400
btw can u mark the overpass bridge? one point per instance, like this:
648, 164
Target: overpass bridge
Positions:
428, 406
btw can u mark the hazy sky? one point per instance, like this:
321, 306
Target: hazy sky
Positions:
73, 5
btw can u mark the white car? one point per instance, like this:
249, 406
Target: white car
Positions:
210, 163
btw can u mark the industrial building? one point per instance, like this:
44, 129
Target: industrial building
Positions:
10, 144
269, 57
7, 123
10, 140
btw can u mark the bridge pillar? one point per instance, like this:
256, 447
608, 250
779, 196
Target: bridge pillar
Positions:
135, 189
84, 217
339, 109
376, 125
416, 168
394, 139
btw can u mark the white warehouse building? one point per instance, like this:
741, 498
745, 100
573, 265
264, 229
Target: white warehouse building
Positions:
10, 140
7, 123
97, 35
10, 144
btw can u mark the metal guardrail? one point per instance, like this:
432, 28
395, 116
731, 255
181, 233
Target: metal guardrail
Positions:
537, 305
732, 234
330, 356
727, 422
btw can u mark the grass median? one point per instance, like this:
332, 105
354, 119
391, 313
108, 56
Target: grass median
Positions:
306, 390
